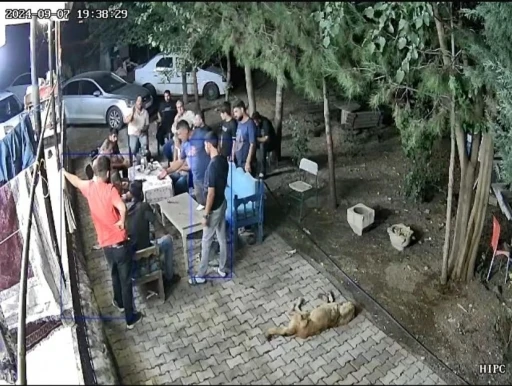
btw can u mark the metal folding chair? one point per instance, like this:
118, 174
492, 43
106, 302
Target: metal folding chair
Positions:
496, 231
301, 188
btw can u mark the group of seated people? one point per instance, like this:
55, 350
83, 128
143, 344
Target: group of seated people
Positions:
185, 165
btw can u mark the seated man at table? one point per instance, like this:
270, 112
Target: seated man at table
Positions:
117, 163
181, 177
139, 216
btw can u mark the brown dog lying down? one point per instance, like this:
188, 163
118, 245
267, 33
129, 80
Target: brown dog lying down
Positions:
306, 324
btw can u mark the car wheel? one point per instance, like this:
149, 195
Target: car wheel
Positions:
151, 89
115, 118
211, 91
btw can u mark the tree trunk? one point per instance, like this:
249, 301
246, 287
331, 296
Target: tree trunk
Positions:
278, 117
197, 104
451, 172
330, 153
449, 199
184, 86
251, 100
228, 75
484, 182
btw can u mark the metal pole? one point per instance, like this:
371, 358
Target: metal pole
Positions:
51, 69
58, 65
22, 302
36, 100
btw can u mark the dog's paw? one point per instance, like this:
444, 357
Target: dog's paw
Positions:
268, 337
330, 297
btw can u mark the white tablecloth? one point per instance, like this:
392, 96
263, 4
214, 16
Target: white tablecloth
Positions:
155, 190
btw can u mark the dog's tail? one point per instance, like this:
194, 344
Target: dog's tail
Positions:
279, 331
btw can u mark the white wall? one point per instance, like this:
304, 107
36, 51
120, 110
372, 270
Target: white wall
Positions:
53, 361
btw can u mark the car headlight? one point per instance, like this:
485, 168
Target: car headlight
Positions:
130, 103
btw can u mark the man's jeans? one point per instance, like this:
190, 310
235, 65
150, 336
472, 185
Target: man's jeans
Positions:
199, 192
180, 183
216, 226
120, 262
166, 247
137, 142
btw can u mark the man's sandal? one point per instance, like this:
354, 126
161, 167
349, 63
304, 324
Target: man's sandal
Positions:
196, 280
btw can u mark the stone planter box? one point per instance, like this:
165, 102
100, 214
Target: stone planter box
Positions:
360, 217
400, 236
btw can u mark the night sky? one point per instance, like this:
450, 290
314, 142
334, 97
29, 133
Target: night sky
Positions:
15, 55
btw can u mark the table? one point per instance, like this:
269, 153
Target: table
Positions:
181, 211
346, 108
155, 190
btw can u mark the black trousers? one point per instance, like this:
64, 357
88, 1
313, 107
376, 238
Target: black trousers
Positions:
119, 259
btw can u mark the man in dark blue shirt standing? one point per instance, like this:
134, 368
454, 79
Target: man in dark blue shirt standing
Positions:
214, 220
194, 153
245, 142
228, 130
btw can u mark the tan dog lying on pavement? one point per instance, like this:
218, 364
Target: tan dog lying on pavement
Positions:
306, 324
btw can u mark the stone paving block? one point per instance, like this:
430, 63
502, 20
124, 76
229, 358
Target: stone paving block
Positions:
389, 378
215, 334
348, 380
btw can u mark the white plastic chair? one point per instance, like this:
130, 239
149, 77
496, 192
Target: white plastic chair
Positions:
300, 188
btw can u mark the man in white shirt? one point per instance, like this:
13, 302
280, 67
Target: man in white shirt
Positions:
182, 114
138, 125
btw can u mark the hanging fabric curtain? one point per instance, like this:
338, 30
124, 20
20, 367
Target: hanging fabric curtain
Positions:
17, 150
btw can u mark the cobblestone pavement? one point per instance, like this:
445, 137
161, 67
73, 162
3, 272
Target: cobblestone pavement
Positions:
213, 334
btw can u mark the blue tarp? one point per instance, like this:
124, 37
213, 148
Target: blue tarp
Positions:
17, 150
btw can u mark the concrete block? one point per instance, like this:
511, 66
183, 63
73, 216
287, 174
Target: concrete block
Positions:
360, 217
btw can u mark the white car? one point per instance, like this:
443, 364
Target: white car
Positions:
20, 84
162, 73
10, 112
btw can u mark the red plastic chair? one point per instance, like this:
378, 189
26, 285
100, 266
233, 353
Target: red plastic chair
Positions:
496, 231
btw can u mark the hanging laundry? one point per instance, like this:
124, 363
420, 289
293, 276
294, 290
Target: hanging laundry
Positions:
17, 150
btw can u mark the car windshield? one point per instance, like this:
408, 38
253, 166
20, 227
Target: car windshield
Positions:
109, 82
9, 108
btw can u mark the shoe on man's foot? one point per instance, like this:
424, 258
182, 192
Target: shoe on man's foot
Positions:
137, 317
120, 309
221, 273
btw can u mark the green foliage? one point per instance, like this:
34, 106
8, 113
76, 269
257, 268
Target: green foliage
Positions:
401, 58
494, 69
418, 139
300, 138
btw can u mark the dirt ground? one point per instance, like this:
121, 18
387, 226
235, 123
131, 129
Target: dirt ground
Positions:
464, 326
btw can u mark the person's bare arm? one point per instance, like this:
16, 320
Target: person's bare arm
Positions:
146, 121
75, 181
262, 139
119, 204
209, 201
252, 151
175, 166
159, 117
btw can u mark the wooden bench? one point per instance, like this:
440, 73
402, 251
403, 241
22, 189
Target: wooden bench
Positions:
363, 120
148, 254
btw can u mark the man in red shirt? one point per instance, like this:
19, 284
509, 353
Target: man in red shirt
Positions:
108, 213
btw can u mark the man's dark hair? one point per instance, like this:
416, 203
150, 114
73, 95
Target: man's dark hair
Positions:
226, 108
136, 190
101, 167
114, 131
212, 138
256, 116
240, 105
182, 125
167, 92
